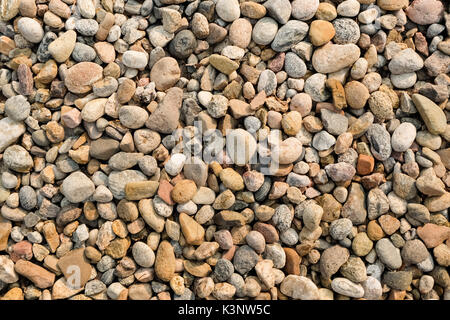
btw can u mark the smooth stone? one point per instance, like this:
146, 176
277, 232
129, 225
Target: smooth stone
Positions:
333, 57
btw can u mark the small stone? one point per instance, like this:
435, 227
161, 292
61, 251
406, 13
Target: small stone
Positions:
425, 11
323, 141
264, 31
341, 228
380, 142
80, 78
280, 10
245, 259
75, 259
405, 61
10, 131
432, 115
17, 108
40, 277
361, 244
77, 187
332, 259
381, 106
304, 9
433, 235
143, 255
399, 280
7, 272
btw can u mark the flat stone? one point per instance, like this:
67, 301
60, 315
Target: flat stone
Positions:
332, 57
432, 115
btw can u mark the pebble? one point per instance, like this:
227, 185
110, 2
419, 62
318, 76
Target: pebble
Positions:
10, 131
299, 288
80, 78
379, 139
228, 150
134, 59
425, 12
63, 46
143, 255
403, 137
228, 10
304, 9
280, 10
320, 32
245, 259
264, 31
30, 29
17, 108
294, 66
17, 158
332, 259
347, 288
334, 57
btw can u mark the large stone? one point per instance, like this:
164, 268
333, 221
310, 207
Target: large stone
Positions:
432, 115
18, 159
165, 261
75, 266
117, 181
80, 78
77, 187
165, 118
299, 288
